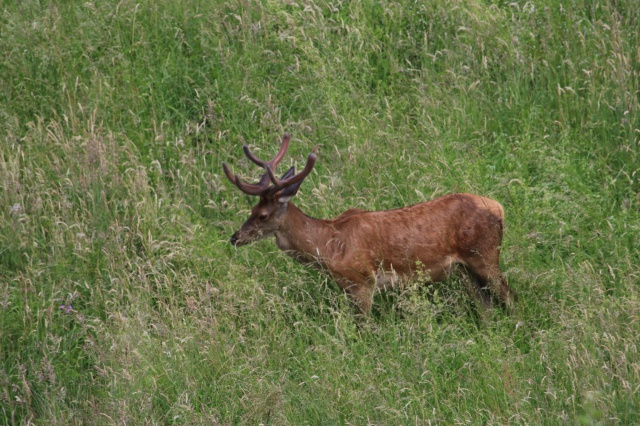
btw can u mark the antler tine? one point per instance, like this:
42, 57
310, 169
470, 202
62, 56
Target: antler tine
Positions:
286, 138
261, 188
248, 188
227, 172
279, 184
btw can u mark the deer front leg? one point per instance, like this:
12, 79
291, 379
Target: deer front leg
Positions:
362, 295
359, 289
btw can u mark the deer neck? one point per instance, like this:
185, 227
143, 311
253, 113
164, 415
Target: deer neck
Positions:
302, 237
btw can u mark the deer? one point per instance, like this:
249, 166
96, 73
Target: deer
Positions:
367, 250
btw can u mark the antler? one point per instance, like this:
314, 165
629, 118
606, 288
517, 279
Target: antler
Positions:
248, 188
279, 184
286, 138
262, 188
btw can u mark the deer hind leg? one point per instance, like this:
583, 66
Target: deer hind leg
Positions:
478, 289
487, 276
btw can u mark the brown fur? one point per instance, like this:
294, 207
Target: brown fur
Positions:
363, 250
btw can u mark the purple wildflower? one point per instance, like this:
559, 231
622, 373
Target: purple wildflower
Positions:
67, 308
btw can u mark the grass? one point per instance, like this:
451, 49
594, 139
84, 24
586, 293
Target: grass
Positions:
116, 116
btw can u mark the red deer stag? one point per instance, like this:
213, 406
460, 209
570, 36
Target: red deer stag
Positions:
364, 249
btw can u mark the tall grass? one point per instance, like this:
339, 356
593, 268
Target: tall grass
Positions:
122, 302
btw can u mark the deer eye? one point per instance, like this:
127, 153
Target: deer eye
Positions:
263, 216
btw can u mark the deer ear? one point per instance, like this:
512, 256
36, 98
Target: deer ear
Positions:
288, 173
287, 193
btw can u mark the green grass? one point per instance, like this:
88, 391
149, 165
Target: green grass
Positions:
115, 117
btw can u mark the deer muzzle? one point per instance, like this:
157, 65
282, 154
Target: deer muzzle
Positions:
238, 239
235, 240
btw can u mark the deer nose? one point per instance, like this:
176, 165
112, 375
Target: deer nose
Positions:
234, 239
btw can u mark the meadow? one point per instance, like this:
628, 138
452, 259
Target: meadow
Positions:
123, 303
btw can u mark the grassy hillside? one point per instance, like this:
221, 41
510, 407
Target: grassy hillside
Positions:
122, 301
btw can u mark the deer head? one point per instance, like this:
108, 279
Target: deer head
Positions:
267, 216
